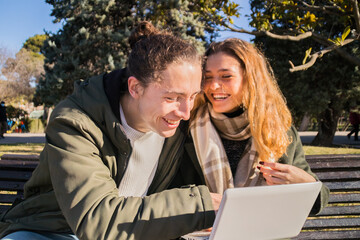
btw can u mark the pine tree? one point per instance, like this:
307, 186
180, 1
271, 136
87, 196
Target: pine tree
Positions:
94, 36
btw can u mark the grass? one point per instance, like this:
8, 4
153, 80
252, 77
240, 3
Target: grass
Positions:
311, 150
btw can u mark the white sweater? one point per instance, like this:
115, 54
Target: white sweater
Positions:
143, 160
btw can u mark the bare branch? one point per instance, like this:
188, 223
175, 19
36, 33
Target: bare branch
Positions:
322, 8
289, 37
315, 56
332, 10
270, 34
347, 56
296, 36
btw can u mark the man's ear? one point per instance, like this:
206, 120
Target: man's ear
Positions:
135, 87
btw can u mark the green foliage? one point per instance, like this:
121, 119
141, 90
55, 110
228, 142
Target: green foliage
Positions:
307, 54
36, 125
94, 36
13, 112
294, 17
331, 85
339, 40
23, 72
310, 150
34, 44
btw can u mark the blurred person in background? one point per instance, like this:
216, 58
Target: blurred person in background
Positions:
3, 119
354, 119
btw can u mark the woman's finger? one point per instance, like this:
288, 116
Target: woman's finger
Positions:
272, 172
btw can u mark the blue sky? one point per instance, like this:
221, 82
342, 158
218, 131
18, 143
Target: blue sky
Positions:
242, 22
21, 19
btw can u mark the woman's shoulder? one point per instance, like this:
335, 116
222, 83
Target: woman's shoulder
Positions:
292, 132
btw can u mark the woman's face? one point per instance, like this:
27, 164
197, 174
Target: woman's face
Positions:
162, 105
223, 82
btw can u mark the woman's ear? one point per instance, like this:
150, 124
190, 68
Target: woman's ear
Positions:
135, 87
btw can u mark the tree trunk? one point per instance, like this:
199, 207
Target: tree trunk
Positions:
327, 127
305, 122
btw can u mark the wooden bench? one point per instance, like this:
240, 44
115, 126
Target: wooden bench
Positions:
13, 175
339, 220
21, 157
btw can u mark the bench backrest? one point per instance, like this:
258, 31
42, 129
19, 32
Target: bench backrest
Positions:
13, 175
341, 218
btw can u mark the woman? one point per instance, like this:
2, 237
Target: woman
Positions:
112, 149
242, 127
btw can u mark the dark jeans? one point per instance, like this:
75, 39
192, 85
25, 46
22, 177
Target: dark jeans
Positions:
3, 128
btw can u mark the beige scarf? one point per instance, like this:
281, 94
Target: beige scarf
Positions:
207, 129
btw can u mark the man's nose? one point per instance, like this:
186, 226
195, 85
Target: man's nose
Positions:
184, 109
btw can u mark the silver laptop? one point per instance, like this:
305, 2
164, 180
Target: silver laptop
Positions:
263, 212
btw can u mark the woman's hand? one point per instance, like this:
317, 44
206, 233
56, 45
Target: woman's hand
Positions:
216, 200
278, 173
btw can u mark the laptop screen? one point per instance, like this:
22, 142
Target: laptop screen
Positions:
263, 212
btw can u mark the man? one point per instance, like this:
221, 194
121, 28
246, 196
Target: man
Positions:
112, 150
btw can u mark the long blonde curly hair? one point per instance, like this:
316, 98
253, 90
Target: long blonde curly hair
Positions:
268, 114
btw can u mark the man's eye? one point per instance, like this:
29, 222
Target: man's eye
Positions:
170, 99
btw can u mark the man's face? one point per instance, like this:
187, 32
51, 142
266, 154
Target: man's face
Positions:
163, 104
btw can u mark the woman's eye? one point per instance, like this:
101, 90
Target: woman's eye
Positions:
208, 78
227, 76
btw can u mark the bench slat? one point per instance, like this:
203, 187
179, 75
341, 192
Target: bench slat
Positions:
338, 175
10, 175
332, 157
321, 162
8, 198
17, 164
11, 186
24, 157
344, 198
329, 235
325, 165
3, 208
332, 223
340, 210
341, 186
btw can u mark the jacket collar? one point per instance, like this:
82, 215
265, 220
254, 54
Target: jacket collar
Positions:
114, 88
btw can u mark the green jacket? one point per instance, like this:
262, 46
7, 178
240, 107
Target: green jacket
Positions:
74, 188
190, 171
